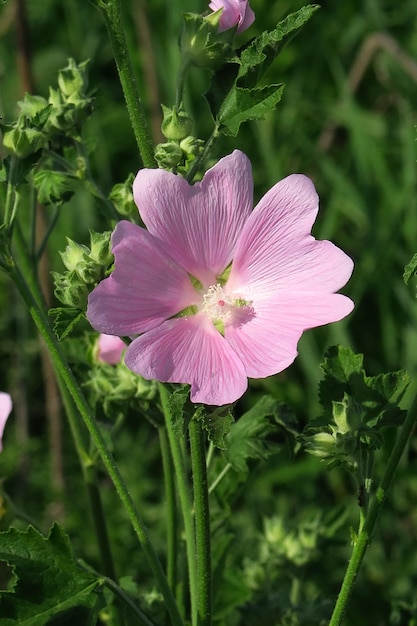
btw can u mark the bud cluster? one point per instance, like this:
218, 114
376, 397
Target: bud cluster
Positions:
343, 440
41, 120
85, 267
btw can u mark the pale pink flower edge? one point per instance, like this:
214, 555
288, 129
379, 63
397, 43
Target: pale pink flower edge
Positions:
6, 407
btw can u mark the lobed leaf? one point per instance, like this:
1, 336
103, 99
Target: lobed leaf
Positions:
48, 580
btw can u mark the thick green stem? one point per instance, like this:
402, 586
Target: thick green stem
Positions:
68, 379
184, 497
365, 534
112, 13
171, 508
202, 524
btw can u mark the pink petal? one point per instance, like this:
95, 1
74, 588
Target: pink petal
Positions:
190, 350
198, 224
234, 12
110, 349
276, 252
145, 288
267, 342
6, 406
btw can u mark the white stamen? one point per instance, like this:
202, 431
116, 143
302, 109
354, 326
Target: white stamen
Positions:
216, 303
219, 305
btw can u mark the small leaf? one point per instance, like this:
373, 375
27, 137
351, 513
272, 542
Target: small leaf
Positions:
65, 319
217, 424
49, 582
410, 269
236, 94
377, 395
53, 187
260, 54
254, 435
248, 104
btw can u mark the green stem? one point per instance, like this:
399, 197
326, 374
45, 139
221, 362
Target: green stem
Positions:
182, 74
202, 523
200, 159
112, 13
171, 507
220, 477
141, 618
365, 534
184, 497
113, 471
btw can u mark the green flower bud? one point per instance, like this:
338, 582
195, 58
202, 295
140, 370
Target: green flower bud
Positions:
73, 79
89, 272
122, 197
70, 290
191, 146
100, 251
168, 155
34, 109
23, 141
347, 415
74, 254
202, 45
321, 444
177, 124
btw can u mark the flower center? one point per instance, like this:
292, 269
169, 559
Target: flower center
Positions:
222, 307
217, 304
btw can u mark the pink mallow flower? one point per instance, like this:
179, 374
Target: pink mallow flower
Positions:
110, 349
234, 12
216, 291
6, 406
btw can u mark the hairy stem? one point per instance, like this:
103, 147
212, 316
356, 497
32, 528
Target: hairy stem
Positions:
202, 524
113, 471
365, 534
184, 497
112, 13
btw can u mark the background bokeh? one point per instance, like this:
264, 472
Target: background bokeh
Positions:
348, 120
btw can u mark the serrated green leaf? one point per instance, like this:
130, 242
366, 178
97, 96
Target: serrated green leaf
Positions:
217, 424
180, 411
236, 94
410, 269
49, 581
65, 319
344, 375
53, 187
261, 52
254, 435
248, 104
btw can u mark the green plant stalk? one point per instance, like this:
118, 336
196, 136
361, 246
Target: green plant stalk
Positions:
140, 616
365, 534
184, 497
78, 432
202, 523
171, 507
112, 13
206, 150
182, 75
80, 402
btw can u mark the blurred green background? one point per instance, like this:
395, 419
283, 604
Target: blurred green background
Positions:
348, 120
